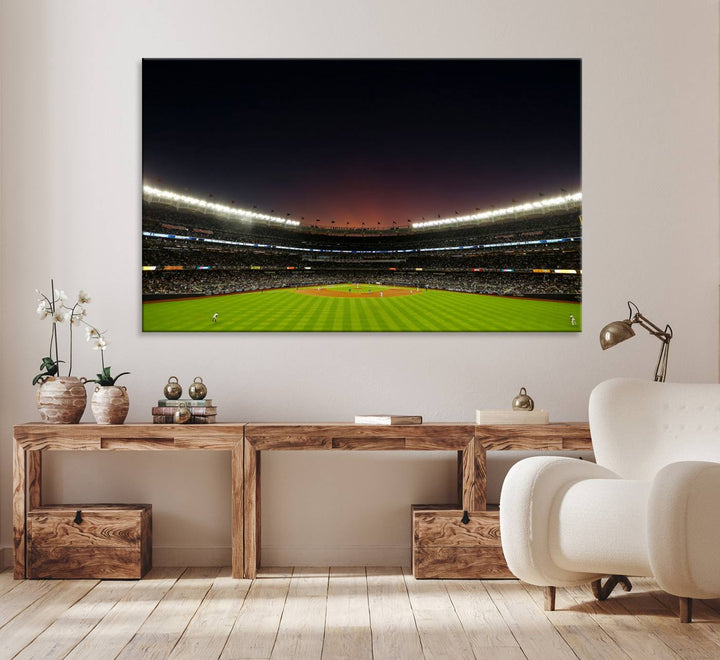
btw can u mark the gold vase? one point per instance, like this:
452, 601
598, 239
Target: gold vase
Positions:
110, 404
61, 400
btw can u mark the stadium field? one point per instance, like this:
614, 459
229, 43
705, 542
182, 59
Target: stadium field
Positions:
360, 308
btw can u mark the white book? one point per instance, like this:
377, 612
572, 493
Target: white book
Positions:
388, 420
511, 416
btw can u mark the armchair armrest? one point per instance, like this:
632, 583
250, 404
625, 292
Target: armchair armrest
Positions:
527, 499
684, 529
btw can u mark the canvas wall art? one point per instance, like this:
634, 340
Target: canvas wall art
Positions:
361, 195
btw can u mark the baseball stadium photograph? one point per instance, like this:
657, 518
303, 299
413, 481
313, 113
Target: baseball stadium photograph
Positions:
353, 195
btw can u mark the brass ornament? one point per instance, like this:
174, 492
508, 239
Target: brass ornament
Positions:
523, 401
182, 415
173, 389
197, 389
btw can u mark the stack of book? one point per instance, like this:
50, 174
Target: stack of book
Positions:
202, 411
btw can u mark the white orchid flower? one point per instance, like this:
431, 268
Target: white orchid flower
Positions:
91, 333
60, 296
43, 310
100, 344
59, 316
83, 298
77, 319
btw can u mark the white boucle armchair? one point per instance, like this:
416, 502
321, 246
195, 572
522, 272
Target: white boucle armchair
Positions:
650, 506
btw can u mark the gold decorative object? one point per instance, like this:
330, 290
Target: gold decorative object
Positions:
110, 404
523, 401
182, 415
197, 389
173, 389
61, 400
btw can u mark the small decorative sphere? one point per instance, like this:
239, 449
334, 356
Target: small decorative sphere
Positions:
182, 414
523, 401
197, 389
173, 389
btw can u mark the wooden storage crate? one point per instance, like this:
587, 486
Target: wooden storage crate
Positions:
446, 547
102, 541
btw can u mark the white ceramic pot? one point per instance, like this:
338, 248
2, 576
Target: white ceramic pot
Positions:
61, 400
110, 404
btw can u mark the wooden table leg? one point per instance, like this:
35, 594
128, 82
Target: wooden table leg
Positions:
473, 477
460, 473
19, 510
237, 511
251, 509
34, 478
480, 476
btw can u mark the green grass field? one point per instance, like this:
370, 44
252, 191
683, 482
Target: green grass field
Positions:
361, 310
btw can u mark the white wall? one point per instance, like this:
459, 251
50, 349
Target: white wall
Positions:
70, 202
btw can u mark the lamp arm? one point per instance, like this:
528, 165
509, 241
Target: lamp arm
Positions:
661, 367
664, 335
616, 336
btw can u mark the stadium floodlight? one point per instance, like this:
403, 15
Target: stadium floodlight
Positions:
169, 196
539, 205
618, 331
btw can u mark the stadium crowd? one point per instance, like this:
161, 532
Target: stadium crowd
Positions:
172, 252
230, 268
214, 282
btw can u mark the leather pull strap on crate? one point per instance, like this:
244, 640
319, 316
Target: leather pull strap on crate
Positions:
452, 543
101, 541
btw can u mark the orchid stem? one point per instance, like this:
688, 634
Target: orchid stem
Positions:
54, 330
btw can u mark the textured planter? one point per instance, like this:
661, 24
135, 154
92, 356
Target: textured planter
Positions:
61, 400
110, 404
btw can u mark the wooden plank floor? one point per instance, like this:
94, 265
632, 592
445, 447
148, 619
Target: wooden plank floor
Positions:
352, 613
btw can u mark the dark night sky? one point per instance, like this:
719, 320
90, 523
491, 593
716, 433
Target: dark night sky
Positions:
363, 140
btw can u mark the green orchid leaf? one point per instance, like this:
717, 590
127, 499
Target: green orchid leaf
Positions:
124, 373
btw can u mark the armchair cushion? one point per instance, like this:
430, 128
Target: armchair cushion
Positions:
684, 529
600, 526
531, 493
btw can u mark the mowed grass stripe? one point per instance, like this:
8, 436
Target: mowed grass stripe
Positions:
291, 313
384, 316
494, 313
449, 311
482, 313
430, 312
355, 320
288, 310
463, 314
417, 314
363, 316
308, 320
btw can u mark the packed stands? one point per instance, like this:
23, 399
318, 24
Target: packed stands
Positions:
187, 251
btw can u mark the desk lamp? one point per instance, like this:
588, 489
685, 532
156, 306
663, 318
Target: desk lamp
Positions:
617, 331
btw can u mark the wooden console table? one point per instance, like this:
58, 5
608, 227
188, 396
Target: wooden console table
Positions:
246, 441
469, 441
31, 440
